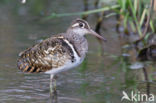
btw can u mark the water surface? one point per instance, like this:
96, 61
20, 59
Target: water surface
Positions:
100, 79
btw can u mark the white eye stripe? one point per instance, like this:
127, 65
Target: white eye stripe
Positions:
77, 24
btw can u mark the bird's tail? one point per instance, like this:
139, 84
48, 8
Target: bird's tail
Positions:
25, 66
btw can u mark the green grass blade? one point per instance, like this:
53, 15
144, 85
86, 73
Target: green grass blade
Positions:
152, 26
135, 6
135, 18
125, 20
54, 15
143, 17
132, 25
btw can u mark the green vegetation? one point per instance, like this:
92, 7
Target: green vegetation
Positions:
133, 15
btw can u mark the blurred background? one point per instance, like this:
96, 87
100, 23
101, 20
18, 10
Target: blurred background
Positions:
125, 63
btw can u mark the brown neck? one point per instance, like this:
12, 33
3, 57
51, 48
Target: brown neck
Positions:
79, 42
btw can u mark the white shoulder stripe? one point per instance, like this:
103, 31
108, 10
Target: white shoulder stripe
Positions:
71, 46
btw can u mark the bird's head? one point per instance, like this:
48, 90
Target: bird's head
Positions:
81, 27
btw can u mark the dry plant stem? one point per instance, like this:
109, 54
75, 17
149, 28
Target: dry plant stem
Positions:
96, 4
147, 80
98, 27
154, 6
99, 23
85, 2
138, 5
118, 23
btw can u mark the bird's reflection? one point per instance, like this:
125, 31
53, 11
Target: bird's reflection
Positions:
53, 97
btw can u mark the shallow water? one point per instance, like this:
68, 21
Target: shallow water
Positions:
100, 79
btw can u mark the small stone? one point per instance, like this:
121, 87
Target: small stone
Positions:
23, 1
137, 65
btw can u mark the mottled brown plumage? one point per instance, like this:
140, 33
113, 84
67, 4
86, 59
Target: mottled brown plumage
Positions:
35, 59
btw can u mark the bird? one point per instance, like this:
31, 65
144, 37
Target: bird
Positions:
59, 52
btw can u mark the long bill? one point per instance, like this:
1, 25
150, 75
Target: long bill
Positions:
97, 35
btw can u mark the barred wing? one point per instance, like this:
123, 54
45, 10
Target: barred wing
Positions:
52, 53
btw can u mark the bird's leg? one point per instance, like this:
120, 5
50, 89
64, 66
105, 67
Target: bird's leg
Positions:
53, 92
51, 85
55, 86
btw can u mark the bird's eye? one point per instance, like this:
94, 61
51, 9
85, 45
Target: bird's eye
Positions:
82, 25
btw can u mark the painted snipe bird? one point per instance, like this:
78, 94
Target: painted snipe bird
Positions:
59, 52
